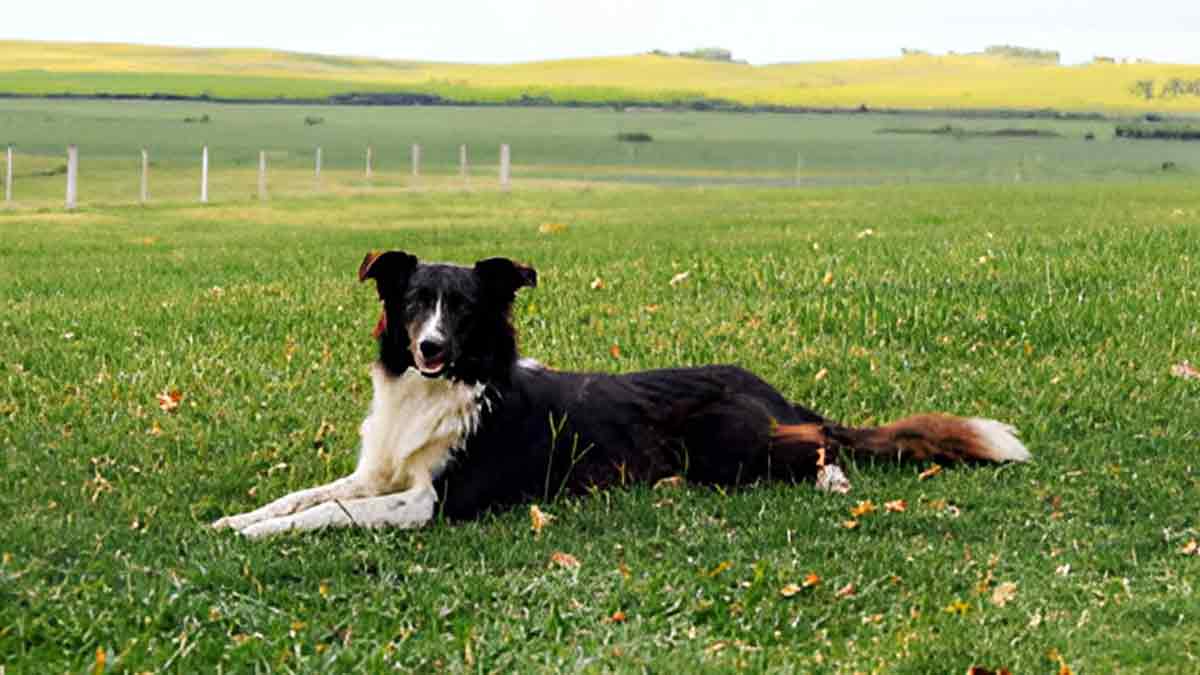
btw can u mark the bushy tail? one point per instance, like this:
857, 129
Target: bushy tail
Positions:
931, 436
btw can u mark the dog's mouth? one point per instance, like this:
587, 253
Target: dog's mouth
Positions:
430, 361
431, 368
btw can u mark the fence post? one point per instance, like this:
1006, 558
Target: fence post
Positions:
262, 175
416, 160
8, 173
505, 161
370, 161
72, 175
204, 175
463, 169
318, 172
799, 168
145, 191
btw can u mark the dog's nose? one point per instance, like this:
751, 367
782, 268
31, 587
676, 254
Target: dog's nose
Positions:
431, 348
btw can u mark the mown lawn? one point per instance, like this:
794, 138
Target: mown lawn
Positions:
1061, 308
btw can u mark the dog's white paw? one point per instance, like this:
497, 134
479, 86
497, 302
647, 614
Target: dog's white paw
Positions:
831, 479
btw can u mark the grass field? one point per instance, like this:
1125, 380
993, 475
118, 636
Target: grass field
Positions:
1060, 307
910, 82
548, 144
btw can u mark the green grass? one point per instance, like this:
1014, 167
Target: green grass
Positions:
1061, 307
548, 144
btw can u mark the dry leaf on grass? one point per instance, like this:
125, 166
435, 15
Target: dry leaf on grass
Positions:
538, 519
564, 560
615, 351
896, 506
790, 590
679, 278
821, 374
846, 591
669, 482
721, 567
850, 524
1004, 593
863, 508
1190, 548
828, 278
811, 580
168, 401
980, 670
597, 284
1186, 371
617, 617
551, 228
930, 472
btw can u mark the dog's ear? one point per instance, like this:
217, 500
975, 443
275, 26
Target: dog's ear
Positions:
390, 270
505, 277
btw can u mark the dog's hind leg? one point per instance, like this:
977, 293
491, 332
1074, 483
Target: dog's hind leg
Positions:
408, 509
349, 487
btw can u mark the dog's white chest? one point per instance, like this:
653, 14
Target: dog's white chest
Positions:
414, 425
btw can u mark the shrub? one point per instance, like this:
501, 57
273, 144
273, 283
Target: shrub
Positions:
634, 137
312, 120
203, 119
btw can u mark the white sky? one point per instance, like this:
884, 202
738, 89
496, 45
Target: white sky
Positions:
761, 31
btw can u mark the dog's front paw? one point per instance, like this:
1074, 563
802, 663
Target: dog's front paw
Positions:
831, 479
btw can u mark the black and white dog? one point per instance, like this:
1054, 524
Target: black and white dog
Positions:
459, 418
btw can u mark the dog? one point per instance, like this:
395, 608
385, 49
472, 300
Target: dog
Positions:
461, 423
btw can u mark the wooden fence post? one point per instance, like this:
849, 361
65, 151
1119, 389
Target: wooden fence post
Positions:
505, 163
204, 175
318, 171
463, 169
145, 191
370, 162
262, 175
416, 160
72, 176
8, 174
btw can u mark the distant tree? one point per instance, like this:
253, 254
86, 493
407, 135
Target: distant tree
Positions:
1143, 88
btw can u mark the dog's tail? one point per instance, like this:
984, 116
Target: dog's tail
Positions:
930, 436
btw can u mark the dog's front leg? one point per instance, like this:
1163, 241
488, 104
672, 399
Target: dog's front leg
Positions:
408, 509
349, 487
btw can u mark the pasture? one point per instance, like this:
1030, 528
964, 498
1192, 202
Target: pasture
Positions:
549, 146
1060, 307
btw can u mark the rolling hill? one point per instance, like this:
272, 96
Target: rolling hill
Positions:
913, 81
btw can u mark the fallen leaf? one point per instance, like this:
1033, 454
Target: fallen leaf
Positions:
597, 284
811, 580
721, 567
866, 233
679, 278
1063, 570
1185, 370
617, 617
821, 374
101, 659
980, 670
564, 560
615, 351
896, 506
850, 524
168, 401
957, 607
863, 508
828, 278
651, 308
872, 618
846, 591
538, 519
216, 292
551, 228
930, 472
669, 481
1190, 548
790, 590
1004, 593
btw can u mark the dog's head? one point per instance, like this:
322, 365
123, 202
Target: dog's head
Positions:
446, 320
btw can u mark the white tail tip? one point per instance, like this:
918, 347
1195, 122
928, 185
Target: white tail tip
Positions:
999, 440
